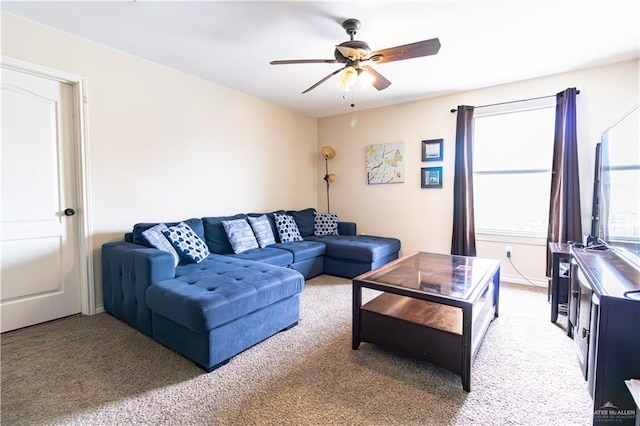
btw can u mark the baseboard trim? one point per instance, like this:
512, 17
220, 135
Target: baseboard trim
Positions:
517, 279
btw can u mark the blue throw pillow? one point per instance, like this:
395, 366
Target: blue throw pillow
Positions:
262, 230
188, 245
156, 238
304, 220
240, 235
326, 224
287, 228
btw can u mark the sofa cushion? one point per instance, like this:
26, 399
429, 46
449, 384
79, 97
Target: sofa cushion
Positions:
188, 245
240, 235
326, 224
270, 255
262, 230
220, 290
139, 228
305, 220
156, 238
215, 235
303, 250
287, 228
361, 248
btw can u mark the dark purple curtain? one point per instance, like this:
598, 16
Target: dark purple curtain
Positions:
565, 220
463, 241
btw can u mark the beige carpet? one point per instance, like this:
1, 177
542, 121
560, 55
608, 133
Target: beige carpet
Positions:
97, 370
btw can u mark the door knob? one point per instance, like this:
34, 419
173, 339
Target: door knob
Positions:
69, 212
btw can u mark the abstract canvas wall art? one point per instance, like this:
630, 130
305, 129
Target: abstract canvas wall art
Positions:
385, 163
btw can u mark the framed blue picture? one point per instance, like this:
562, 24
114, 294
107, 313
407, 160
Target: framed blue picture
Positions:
431, 177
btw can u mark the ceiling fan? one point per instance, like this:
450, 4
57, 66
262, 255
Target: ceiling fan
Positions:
353, 53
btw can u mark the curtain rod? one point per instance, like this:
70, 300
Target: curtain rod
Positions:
512, 102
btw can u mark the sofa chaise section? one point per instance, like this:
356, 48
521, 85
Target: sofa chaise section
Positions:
347, 254
216, 309
351, 255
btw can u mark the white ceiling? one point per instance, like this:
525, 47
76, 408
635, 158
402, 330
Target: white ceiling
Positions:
484, 43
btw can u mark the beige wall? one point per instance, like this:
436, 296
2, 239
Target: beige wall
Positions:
164, 145
422, 218
167, 146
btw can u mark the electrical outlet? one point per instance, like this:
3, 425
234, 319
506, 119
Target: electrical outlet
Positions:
508, 252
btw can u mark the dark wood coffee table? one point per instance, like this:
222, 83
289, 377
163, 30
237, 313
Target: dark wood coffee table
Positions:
437, 307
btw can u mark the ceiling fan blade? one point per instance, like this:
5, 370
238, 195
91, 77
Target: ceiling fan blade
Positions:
407, 51
323, 80
304, 61
380, 82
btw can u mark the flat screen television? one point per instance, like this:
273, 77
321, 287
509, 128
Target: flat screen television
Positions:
616, 215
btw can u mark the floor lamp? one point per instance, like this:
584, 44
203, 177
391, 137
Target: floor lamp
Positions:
328, 153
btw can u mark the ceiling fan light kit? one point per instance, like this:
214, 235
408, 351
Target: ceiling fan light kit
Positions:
352, 53
365, 77
347, 79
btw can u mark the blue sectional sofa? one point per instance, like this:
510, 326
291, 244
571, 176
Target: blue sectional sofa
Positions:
215, 308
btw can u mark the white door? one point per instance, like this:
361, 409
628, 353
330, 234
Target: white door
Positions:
40, 278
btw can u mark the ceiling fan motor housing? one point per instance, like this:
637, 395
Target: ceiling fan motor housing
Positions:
357, 50
361, 47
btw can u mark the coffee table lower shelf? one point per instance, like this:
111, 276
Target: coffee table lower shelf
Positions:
424, 329
427, 330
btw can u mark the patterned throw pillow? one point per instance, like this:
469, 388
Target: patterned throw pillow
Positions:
240, 235
156, 238
287, 228
186, 242
325, 224
262, 230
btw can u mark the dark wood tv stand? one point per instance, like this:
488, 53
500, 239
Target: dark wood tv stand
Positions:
605, 321
559, 280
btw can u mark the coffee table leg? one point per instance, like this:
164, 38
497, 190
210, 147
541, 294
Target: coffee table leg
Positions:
357, 303
466, 348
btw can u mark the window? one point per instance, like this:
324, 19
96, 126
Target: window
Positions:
512, 160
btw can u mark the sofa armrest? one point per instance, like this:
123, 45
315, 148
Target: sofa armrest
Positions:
347, 228
127, 271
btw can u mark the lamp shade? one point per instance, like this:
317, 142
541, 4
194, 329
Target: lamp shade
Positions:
327, 152
348, 77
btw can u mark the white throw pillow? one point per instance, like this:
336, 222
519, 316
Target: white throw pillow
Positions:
240, 235
156, 238
262, 230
